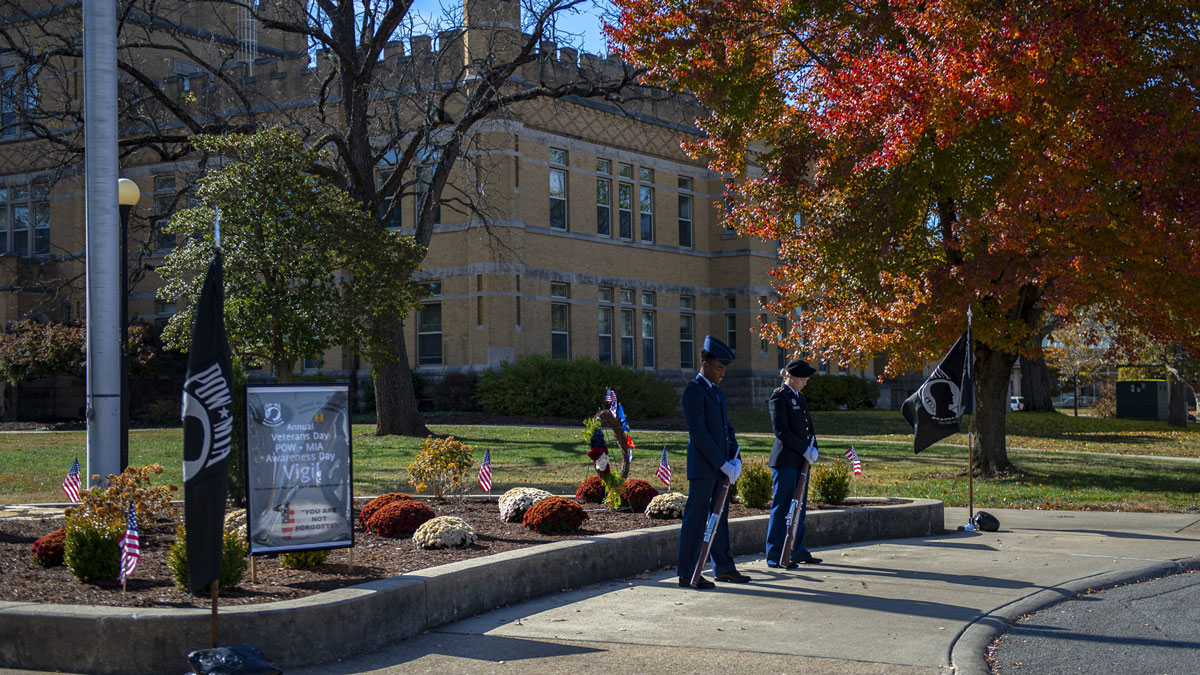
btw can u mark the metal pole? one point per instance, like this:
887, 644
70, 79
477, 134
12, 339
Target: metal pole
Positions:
102, 276
125, 335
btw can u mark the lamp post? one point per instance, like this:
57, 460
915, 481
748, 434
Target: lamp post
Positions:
127, 196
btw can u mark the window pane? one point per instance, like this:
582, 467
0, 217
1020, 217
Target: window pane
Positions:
430, 319
604, 294
648, 339
686, 302
645, 174
558, 184
559, 346
558, 290
558, 318
558, 214
429, 349
558, 156
646, 205
625, 170
625, 196
685, 183
20, 227
603, 191
603, 221
626, 225
685, 220
603, 166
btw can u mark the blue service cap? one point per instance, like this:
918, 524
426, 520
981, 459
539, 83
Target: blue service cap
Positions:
719, 350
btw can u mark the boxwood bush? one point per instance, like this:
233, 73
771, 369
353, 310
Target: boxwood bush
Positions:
539, 385
832, 392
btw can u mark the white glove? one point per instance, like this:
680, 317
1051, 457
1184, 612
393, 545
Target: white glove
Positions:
731, 471
811, 454
737, 462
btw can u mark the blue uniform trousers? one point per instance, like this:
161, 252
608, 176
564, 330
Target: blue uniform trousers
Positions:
783, 484
701, 493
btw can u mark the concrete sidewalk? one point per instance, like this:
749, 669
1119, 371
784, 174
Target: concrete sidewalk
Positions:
924, 605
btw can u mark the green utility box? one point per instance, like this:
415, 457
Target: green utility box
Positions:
1143, 399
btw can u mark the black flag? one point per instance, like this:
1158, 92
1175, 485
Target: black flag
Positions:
935, 411
207, 432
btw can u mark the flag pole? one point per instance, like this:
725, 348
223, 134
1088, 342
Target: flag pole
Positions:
970, 428
217, 236
213, 624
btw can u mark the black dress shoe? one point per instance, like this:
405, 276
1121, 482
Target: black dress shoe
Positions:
789, 566
703, 584
734, 577
810, 561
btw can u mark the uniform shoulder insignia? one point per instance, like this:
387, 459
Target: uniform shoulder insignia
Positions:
777, 390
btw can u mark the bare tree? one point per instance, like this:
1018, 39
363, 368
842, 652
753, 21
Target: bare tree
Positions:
417, 113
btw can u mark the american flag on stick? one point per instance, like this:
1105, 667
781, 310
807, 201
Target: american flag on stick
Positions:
853, 457
664, 469
130, 545
71, 484
485, 471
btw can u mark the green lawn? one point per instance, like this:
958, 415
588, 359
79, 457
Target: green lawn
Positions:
32, 465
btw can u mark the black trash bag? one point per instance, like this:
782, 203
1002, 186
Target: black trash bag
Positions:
985, 522
235, 660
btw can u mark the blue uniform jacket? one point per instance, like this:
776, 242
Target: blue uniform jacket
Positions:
711, 440
793, 428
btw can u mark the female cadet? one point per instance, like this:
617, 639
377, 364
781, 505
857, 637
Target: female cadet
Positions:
794, 450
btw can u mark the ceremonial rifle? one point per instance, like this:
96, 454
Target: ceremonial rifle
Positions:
710, 530
795, 514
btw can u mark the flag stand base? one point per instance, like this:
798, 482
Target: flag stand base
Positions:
969, 527
235, 660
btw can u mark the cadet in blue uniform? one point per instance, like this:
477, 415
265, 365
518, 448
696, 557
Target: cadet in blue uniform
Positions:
794, 435
712, 454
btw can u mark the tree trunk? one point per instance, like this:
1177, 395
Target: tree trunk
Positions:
992, 370
1035, 384
1176, 389
396, 412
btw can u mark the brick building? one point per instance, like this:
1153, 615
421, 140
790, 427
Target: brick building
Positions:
602, 238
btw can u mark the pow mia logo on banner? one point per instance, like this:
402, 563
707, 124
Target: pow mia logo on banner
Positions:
207, 401
272, 414
943, 406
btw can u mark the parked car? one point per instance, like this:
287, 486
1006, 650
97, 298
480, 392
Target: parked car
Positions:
1016, 403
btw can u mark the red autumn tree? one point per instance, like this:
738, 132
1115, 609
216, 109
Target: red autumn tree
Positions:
916, 158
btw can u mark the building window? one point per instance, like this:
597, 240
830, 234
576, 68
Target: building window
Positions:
645, 175
731, 322
762, 322
648, 339
604, 322
558, 199
165, 199
560, 334
605, 325
685, 221
625, 210
603, 166
385, 204
25, 219
646, 204
625, 171
648, 298
627, 337
626, 296
428, 159
558, 156
685, 183
604, 207
312, 364
429, 328
18, 100
687, 340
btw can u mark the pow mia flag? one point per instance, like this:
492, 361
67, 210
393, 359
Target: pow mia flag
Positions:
935, 411
207, 432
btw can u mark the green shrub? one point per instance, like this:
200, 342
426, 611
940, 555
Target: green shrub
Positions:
754, 485
233, 560
302, 560
91, 552
831, 481
379, 502
637, 493
555, 514
591, 490
833, 392
456, 391
48, 550
105, 510
539, 385
440, 464
399, 519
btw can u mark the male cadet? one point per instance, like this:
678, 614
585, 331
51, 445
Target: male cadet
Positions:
712, 458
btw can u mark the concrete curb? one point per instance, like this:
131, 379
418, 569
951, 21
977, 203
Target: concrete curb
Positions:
363, 618
968, 655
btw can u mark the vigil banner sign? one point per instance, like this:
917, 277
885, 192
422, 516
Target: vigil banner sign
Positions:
298, 469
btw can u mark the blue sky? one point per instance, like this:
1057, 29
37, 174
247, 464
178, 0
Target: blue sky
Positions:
581, 27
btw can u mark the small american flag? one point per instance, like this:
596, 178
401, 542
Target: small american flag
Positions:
71, 483
130, 545
664, 469
485, 471
853, 457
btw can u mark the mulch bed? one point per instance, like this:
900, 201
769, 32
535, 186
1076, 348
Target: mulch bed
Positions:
22, 579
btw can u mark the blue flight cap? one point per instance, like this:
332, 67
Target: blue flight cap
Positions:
719, 349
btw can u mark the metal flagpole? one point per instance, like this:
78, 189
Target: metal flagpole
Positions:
970, 427
217, 230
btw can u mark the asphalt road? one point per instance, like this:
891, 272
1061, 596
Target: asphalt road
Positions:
1151, 627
